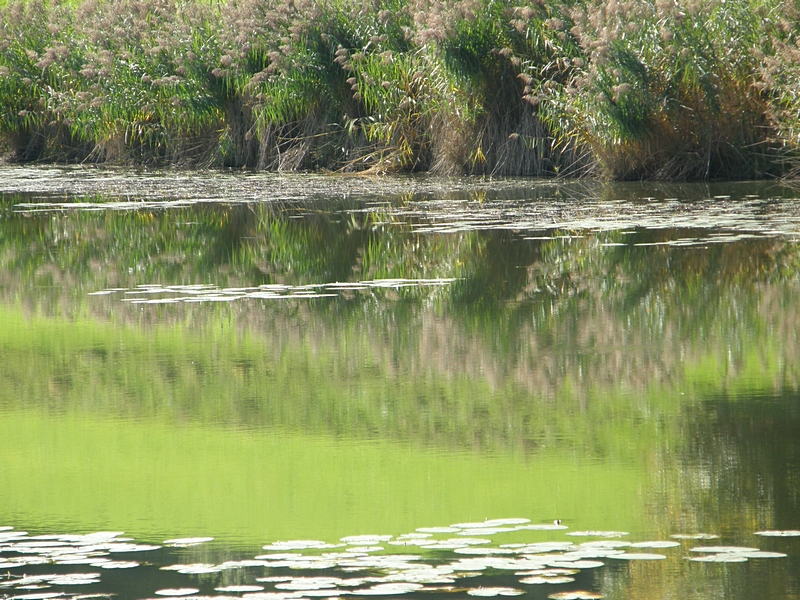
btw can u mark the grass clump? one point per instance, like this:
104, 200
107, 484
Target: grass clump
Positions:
670, 90
664, 89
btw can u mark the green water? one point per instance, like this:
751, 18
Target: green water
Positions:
176, 361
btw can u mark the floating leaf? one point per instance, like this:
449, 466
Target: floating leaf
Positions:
724, 557
719, 549
190, 541
656, 544
75, 579
486, 530
482, 550
598, 533
177, 591
576, 564
777, 533
365, 539
193, 569
388, 589
540, 579
240, 588
298, 545
124, 547
116, 564
308, 583
541, 547
695, 536
549, 572
495, 591
639, 556
576, 595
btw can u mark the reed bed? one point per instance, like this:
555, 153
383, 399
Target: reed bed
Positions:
630, 89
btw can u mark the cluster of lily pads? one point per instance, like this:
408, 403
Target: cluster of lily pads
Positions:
430, 559
171, 294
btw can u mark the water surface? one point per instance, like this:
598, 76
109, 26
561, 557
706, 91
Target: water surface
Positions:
267, 358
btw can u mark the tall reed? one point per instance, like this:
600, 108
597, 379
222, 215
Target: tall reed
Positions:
669, 89
627, 89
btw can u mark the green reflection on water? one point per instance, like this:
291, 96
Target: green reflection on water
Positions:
156, 479
648, 388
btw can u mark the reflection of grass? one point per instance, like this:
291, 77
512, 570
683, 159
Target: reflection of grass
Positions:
342, 381
155, 479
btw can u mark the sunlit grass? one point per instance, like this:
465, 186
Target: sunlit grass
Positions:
629, 90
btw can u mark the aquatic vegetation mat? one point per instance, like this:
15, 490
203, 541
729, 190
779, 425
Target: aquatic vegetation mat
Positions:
354, 565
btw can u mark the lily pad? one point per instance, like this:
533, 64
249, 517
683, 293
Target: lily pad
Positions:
655, 544
607, 534
576, 595
607, 544
539, 579
75, 579
116, 564
486, 530
779, 533
482, 550
542, 547
553, 572
308, 583
388, 589
367, 540
576, 564
476, 525
299, 545
721, 549
177, 592
502, 522
190, 541
495, 591
695, 536
725, 557
639, 556
240, 588
764, 554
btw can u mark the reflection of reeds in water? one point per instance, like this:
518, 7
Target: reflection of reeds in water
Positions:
585, 325
626, 89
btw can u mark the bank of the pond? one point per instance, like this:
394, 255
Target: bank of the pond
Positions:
627, 90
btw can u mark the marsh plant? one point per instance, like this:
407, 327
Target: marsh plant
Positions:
670, 90
626, 89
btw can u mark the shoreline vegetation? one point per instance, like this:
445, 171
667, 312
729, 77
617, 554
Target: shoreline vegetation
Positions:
619, 89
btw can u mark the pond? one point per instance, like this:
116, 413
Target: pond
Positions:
299, 386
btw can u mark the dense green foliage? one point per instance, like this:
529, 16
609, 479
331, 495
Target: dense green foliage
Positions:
666, 89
